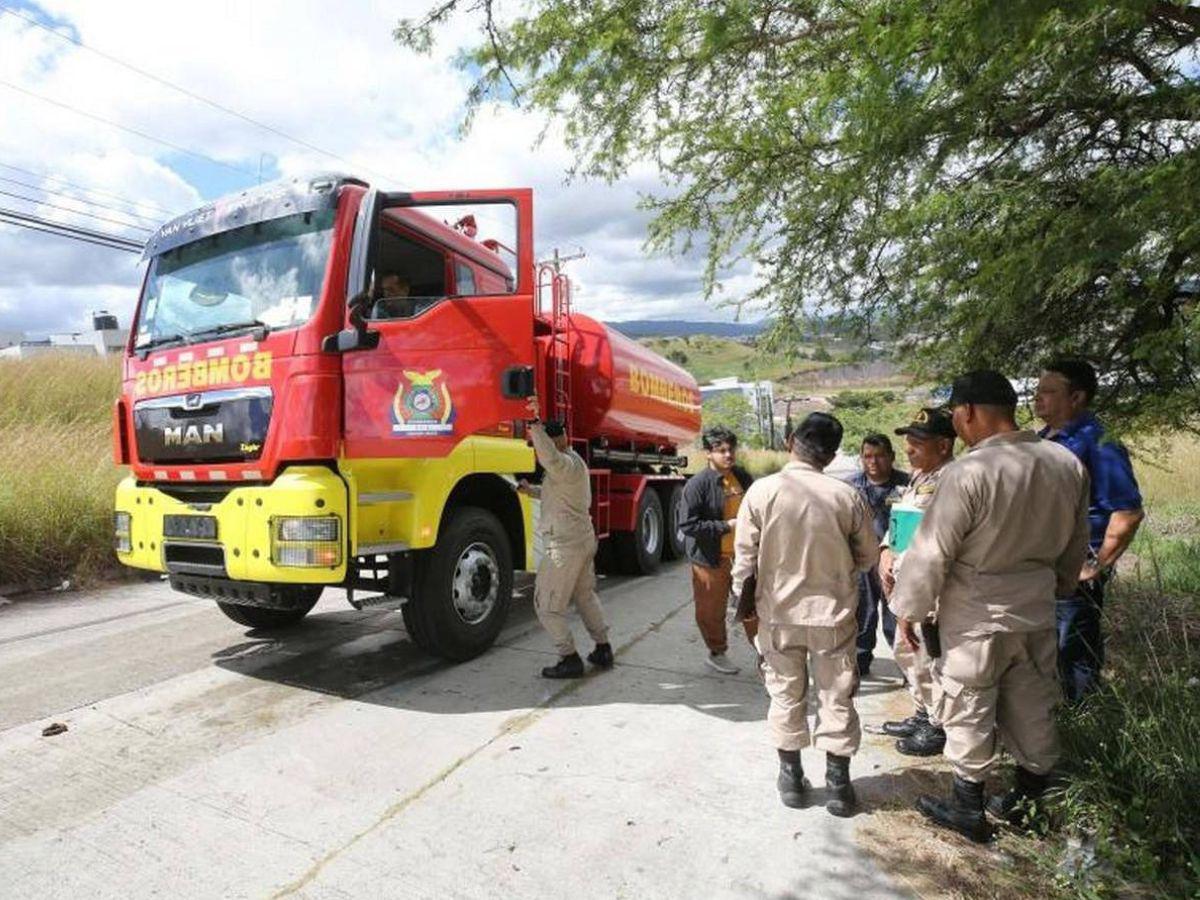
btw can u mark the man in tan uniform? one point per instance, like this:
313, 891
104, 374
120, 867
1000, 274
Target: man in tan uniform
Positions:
804, 537
1005, 534
929, 445
567, 571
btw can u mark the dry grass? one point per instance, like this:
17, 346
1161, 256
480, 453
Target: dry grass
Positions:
56, 470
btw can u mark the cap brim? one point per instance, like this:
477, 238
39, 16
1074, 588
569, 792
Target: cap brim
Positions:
918, 432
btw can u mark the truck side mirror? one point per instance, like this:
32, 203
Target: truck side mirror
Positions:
358, 337
517, 383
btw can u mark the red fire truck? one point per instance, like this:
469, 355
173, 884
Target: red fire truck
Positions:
325, 385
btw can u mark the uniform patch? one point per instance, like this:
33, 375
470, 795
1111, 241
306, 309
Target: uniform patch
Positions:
422, 406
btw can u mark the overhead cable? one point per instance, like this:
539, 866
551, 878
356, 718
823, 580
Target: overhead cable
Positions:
185, 91
75, 212
149, 137
100, 192
49, 226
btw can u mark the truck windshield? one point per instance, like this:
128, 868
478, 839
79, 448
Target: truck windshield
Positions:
264, 275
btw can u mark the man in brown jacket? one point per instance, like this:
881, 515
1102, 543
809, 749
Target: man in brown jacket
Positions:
1005, 534
567, 572
804, 537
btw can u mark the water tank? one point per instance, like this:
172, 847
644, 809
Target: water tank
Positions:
626, 394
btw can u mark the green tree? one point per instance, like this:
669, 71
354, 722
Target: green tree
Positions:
736, 413
992, 181
678, 356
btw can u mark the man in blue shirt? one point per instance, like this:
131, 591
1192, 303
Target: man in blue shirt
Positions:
880, 484
1064, 393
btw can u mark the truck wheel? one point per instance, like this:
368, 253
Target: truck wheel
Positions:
639, 551
302, 597
464, 589
673, 543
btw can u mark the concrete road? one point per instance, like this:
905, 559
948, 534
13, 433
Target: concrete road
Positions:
205, 760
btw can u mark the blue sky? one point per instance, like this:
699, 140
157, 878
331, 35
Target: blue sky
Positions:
328, 74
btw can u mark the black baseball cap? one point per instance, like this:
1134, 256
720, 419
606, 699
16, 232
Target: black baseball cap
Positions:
930, 422
985, 387
554, 428
820, 431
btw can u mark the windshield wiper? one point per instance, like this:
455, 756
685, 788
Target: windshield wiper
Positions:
143, 349
262, 326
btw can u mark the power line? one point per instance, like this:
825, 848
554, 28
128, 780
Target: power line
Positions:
121, 212
133, 131
91, 190
48, 226
75, 212
187, 93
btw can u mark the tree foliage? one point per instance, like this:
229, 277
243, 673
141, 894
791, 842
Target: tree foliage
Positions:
995, 182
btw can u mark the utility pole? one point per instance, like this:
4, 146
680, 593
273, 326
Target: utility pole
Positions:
558, 260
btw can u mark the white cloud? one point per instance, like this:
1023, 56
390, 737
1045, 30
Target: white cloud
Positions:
327, 73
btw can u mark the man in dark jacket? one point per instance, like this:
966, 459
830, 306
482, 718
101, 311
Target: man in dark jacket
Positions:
711, 500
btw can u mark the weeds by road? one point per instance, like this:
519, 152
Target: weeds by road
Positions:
56, 470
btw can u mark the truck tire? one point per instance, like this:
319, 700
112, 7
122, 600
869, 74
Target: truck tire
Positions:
464, 588
640, 551
673, 541
303, 598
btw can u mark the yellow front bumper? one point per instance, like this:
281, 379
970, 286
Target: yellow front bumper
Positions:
243, 524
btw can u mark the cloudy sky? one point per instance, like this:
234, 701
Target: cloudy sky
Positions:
323, 72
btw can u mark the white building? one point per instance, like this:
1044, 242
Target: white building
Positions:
103, 339
759, 394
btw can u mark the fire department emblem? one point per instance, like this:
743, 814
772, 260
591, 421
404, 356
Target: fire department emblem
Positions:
422, 406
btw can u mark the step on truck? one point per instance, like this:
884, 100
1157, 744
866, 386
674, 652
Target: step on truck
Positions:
325, 385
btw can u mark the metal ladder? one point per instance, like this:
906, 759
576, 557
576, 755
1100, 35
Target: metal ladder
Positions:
560, 342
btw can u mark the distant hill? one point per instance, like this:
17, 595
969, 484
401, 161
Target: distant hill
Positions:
680, 328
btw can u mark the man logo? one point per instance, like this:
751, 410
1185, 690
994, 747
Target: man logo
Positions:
193, 435
193, 401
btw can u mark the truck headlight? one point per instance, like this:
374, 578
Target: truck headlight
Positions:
306, 541
122, 532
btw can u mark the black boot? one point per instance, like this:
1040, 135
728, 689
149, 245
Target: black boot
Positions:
928, 740
907, 727
1014, 806
567, 667
841, 800
602, 656
963, 812
791, 782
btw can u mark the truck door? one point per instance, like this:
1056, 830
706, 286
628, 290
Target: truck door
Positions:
448, 284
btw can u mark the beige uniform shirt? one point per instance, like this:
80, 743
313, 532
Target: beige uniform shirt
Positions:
566, 493
918, 493
1005, 534
804, 535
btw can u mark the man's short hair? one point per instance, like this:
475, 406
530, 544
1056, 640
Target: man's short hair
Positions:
554, 428
718, 434
1079, 374
879, 442
817, 437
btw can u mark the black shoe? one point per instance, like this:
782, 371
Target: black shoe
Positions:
928, 740
567, 667
841, 800
1015, 806
864, 667
907, 727
792, 784
963, 812
602, 656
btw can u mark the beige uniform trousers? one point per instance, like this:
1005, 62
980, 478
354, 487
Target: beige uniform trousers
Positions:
790, 652
999, 689
567, 573
917, 667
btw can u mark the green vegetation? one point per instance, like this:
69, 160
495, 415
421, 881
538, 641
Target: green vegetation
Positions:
998, 180
863, 412
707, 357
57, 478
